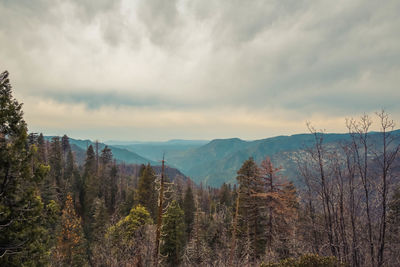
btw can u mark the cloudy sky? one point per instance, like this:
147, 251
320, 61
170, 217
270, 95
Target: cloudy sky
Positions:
199, 69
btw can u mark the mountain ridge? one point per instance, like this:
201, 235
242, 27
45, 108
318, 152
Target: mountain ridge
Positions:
120, 154
214, 168
218, 160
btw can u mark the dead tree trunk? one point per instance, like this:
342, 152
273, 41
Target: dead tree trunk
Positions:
233, 244
159, 216
318, 157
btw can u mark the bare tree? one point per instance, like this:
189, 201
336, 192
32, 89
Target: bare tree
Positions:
389, 152
359, 132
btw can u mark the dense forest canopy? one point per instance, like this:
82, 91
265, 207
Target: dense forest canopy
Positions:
55, 211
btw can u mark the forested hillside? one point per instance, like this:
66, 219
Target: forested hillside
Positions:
56, 210
120, 154
216, 162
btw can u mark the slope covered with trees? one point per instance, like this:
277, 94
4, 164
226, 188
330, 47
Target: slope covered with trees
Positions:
121, 154
216, 163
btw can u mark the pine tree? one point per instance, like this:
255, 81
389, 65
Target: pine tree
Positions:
56, 161
47, 186
69, 168
178, 192
127, 202
112, 193
129, 240
21, 208
65, 146
225, 195
78, 186
108, 178
42, 150
146, 191
90, 162
189, 209
106, 156
100, 219
32, 139
91, 190
280, 202
70, 249
252, 222
173, 234
124, 230
89, 176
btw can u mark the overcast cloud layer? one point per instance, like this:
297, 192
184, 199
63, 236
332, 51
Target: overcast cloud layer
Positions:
156, 69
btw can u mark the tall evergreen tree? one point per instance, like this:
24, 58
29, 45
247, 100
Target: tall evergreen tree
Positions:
91, 190
108, 178
100, 219
106, 156
129, 241
225, 195
65, 146
50, 189
124, 231
42, 150
146, 191
111, 199
21, 208
250, 211
71, 243
189, 210
178, 192
90, 162
173, 234
32, 139
56, 161
69, 168
78, 186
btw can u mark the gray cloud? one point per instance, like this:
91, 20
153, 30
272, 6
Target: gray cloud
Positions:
104, 99
335, 59
88, 9
160, 19
236, 22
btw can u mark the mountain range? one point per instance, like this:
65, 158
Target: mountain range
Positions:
217, 161
121, 154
